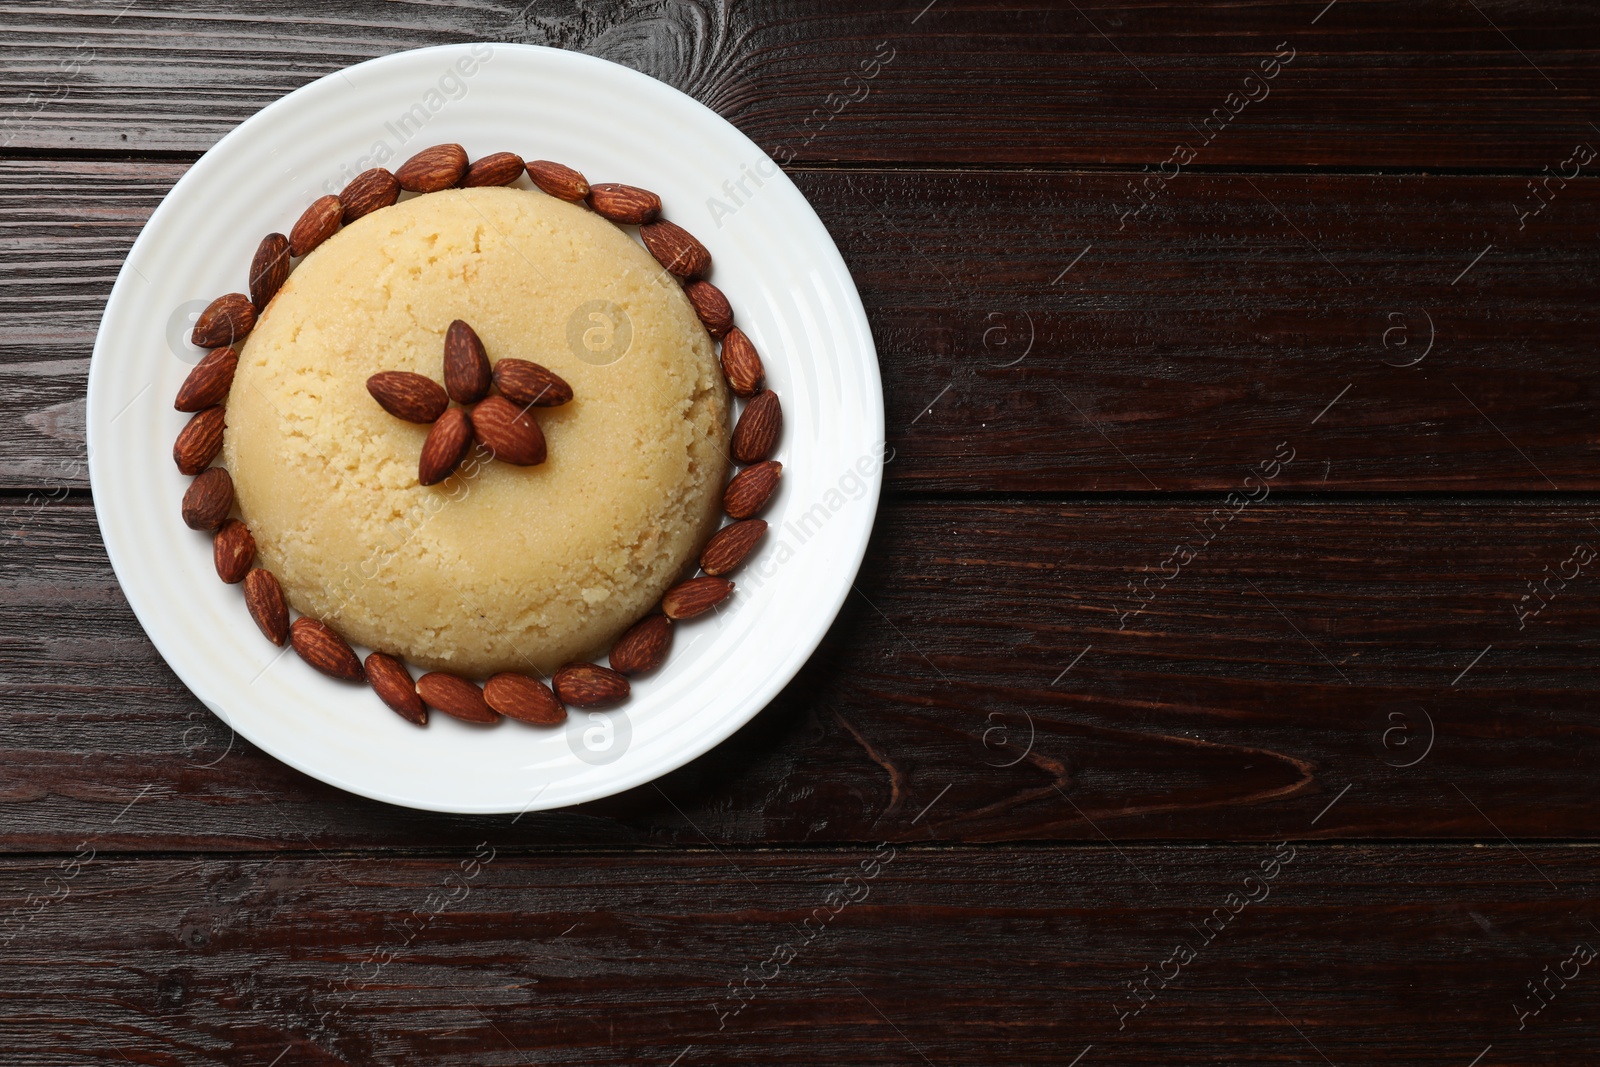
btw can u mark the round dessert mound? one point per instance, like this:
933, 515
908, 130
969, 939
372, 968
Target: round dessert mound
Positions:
498, 567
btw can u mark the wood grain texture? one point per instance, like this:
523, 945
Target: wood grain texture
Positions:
1176, 353
1326, 667
1431, 84
1416, 955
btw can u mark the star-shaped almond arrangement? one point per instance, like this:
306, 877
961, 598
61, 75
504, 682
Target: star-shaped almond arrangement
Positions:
500, 422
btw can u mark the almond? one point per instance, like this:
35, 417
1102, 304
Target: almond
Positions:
747, 493
446, 444
321, 646
530, 384
560, 181
225, 321
392, 682
264, 597
408, 396
269, 269
508, 431
367, 192
233, 550
208, 500
694, 597
741, 365
626, 204
501, 168
588, 685
644, 646
675, 248
316, 224
716, 314
760, 423
199, 442
456, 697
428, 171
209, 382
516, 696
467, 375
730, 545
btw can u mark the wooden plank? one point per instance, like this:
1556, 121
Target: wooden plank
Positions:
1366, 83
1349, 670
1417, 955
1032, 341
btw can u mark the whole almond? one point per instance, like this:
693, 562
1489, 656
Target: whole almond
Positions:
760, 423
408, 396
367, 192
741, 365
430, 170
508, 431
517, 696
199, 442
695, 597
589, 685
559, 180
321, 646
209, 382
467, 375
456, 697
447, 443
730, 545
208, 499
501, 168
716, 314
747, 493
225, 321
675, 248
316, 224
530, 384
644, 646
626, 204
264, 597
269, 269
392, 682
233, 550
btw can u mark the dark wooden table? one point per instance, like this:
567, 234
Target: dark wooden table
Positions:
1221, 683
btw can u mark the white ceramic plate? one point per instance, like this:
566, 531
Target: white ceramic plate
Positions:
772, 256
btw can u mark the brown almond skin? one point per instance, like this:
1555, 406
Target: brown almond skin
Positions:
589, 685
456, 697
627, 204
225, 321
558, 179
432, 169
517, 696
233, 550
263, 596
367, 192
644, 647
730, 546
392, 682
445, 446
675, 248
741, 365
750, 489
508, 431
467, 374
209, 382
694, 597
500, 168
316, 224
208, 499
199, 442
322, 647
528, 383
716, 314
269, 269
408, 396
759, 427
